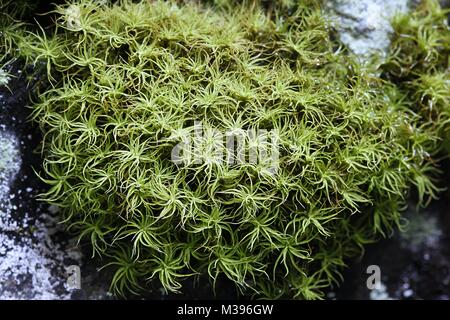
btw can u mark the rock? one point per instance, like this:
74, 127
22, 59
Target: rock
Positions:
364, 25
34, 247
4, 77
414, 264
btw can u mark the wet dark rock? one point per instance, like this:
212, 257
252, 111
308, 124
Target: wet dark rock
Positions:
35, 249
414, 264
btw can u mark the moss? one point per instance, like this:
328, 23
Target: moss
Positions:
419, 64
130, 81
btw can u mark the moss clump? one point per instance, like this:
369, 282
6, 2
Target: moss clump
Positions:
419, 63
130, 81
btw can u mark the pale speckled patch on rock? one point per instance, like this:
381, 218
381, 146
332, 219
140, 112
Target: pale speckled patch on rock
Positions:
421, 230
35, 248
364, 25
4, 77
25, 260
31, 262
380, 293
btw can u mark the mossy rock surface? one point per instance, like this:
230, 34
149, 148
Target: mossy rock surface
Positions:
130, 81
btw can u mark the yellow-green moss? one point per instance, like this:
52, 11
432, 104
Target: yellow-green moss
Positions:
129, 80
419, 64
